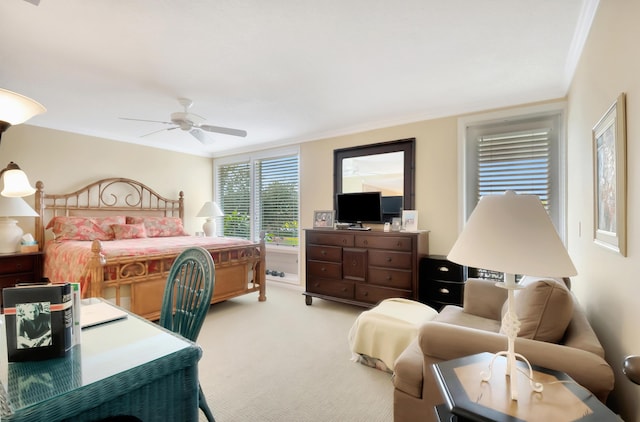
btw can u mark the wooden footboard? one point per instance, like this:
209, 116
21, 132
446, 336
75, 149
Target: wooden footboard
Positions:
137, 283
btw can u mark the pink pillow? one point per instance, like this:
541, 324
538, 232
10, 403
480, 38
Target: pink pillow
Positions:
129, 231
160, 226
84, 228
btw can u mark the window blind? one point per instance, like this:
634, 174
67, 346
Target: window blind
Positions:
234, 198
518, 161
277, 193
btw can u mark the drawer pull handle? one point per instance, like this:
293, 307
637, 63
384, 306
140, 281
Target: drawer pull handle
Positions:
389, 259
344, 289
323, 252
388, 278
323, 269
444, 291
316, 285
366, 294
443, 269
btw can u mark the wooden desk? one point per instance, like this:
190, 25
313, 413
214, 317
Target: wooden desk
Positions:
470, 399
125, 367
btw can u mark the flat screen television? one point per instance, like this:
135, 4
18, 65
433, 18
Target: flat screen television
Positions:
359, 207
391, 207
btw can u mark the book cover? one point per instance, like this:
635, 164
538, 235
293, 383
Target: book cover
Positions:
76, 297
38, 321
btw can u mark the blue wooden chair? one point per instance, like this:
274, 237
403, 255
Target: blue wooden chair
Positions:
186, 300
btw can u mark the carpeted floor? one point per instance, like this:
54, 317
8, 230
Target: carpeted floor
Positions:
282, 360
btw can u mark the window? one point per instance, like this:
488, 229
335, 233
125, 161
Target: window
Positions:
260, 193
521, 153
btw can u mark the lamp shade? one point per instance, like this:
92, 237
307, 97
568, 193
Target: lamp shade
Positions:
513, 234
16, 108
16, 183
15, 207
210, 209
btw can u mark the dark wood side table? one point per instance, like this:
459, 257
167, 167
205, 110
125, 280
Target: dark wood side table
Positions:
19, 268
468, 398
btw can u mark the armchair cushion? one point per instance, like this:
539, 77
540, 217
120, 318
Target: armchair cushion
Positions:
544, 308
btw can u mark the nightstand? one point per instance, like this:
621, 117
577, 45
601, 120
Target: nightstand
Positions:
441, 282
20, 268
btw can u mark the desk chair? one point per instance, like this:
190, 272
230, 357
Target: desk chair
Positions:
186, 300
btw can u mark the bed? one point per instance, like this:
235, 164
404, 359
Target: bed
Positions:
118, 238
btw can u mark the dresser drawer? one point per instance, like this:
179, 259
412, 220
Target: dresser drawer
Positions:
390, 259
330, 238
445, 292
396, 243
10, 280
374, 294
399, 279
17, 264
441, 269
324, 269
335, 288
324, 253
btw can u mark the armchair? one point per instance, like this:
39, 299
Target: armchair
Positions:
555, 334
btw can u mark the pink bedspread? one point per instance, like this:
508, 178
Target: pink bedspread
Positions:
68, 260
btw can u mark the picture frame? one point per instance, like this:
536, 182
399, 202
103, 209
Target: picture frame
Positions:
610, 174
323, 219
410, 220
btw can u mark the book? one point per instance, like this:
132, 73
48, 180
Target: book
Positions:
38, 321
97, 313
76, 297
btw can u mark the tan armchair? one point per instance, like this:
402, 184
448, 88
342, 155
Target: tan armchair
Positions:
546, 339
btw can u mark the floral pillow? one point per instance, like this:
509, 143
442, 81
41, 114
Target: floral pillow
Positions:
129, 231
84, 228
160, 226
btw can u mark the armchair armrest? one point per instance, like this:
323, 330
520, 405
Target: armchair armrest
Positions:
483, 298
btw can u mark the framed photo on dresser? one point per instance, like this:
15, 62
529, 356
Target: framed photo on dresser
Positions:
323, 219
410, 220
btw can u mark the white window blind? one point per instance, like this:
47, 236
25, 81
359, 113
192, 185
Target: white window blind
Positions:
260, 194
277, 192
234, 198
517, 161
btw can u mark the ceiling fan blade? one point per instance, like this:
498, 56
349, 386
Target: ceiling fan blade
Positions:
224, 130
201, 136
144, 120
34, 2
157, 131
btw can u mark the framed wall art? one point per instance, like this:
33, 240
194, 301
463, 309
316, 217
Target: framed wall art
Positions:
323, 219
610, 172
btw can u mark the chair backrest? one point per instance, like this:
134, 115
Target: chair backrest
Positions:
188, 292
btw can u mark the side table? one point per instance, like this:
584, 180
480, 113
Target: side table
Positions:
19, 268
468, 398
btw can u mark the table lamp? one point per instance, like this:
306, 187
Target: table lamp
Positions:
211, 210
512, 234
10, 232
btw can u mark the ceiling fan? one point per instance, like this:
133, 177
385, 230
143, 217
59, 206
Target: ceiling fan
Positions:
192, 123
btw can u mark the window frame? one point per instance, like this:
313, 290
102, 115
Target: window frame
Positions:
466, 177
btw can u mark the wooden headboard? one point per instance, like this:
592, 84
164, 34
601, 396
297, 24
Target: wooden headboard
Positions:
110, 196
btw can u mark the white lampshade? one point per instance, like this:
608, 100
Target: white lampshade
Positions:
513, 234
211, 210
16, 182
16, 108
10, 232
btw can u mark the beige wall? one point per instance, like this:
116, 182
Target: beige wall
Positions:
65, 162
607, 284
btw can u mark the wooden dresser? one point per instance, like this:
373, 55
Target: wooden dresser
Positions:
363, 267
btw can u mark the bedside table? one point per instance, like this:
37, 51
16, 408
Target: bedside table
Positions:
20, 268
441, 282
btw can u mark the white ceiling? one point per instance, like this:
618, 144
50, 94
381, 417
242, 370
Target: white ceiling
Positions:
285, 71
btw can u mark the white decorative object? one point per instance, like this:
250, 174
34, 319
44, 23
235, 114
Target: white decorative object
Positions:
10, 232
410, 220
512, 234
211, 211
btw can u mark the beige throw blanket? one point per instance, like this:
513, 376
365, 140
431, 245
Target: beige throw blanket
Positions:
385, 331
